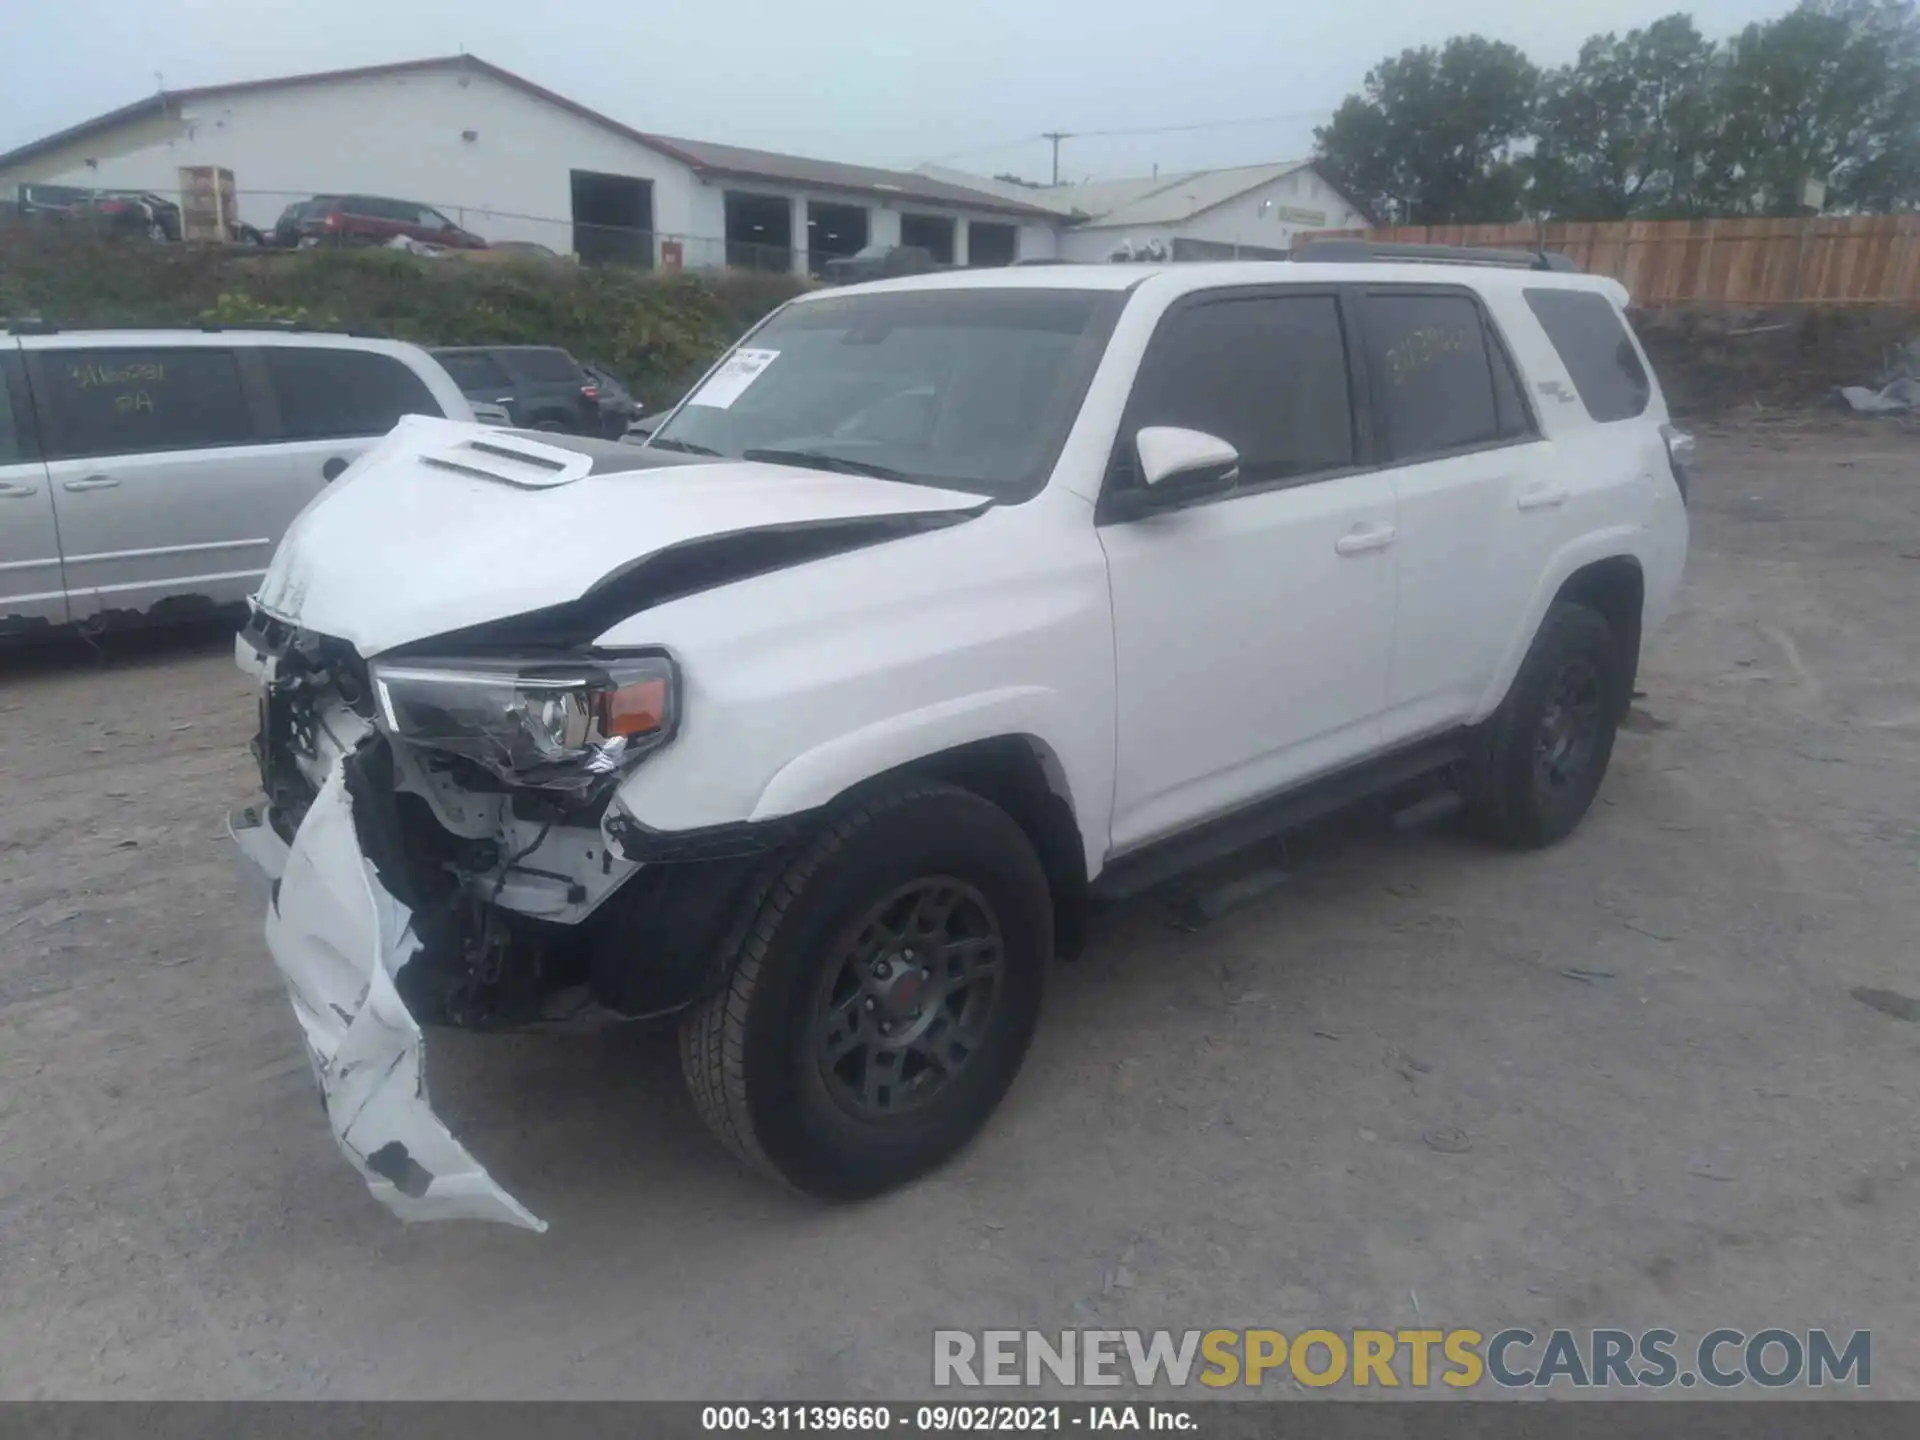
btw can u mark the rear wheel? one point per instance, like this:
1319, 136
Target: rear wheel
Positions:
1540, 759
881, 997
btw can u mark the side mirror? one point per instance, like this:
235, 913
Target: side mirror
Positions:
1179, 467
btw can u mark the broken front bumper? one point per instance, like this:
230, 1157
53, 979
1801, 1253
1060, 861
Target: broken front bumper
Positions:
339, 938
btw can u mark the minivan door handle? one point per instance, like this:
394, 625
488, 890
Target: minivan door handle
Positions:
1360, 541
11, 491
90, 482
1541, 497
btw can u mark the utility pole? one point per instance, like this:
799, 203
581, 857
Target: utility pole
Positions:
1056, 136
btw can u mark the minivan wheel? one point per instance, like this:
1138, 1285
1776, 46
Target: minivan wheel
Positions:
1539, 760
881, 996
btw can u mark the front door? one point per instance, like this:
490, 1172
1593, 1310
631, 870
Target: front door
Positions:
1251, 631
32, 595
162, 481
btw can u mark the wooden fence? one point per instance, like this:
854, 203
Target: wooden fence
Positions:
1820, 260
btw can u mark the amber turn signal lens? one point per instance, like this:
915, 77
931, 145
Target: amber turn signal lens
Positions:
636, 709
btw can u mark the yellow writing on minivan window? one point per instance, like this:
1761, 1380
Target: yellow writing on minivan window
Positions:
141, 372
1420, 348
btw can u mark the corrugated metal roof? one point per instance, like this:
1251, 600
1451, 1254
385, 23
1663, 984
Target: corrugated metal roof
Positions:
738, 161
1170, 199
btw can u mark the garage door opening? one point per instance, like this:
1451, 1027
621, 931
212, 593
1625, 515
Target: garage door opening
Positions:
612, 219
759, 232
932, 233
834, 231
990, 244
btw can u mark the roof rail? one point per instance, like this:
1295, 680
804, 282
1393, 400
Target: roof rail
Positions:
1347, 252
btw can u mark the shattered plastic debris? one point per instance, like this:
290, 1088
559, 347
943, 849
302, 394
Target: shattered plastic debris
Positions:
339, 938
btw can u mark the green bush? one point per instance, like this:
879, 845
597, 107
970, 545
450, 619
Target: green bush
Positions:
658, 331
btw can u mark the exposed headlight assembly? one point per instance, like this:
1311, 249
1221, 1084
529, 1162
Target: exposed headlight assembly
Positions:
551, 725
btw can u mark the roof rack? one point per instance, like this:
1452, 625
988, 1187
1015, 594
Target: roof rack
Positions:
1347, 252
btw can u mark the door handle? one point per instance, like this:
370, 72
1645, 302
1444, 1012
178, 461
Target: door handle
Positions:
1541, 497
1359, 542
11, 491
91, 482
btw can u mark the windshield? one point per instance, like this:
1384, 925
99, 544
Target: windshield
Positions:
975, 389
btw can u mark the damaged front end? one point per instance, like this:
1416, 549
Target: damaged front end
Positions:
434, 852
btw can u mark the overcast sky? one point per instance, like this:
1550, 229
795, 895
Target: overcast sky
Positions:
886, 82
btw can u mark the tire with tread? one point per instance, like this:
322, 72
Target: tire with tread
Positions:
1505, 802
743, 1049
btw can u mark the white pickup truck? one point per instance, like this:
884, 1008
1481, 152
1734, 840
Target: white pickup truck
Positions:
941, 607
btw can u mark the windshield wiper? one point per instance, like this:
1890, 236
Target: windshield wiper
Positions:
820, 460
684, 446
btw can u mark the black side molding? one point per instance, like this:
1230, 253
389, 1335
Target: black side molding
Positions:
1153, 864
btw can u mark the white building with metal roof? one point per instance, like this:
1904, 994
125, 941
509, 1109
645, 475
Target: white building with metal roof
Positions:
512, 161
1246, 212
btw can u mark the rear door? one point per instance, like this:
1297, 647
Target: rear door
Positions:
157, 456
329, 403
32, 594
552, 388
1464, 454
481, 376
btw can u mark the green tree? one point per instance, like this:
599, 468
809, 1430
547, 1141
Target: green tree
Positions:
1828, 92
1632, 128
1431, 139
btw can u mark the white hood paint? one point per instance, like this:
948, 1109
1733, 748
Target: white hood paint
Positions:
400, 549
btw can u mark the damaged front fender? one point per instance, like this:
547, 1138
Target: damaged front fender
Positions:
340, 937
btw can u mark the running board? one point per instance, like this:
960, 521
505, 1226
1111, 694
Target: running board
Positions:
1154, 864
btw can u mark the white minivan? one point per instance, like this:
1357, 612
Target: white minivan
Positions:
149, 474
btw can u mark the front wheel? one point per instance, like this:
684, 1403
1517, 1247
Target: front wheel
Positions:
881, 997
1541, 757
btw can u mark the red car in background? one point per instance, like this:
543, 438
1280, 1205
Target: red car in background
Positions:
368, 220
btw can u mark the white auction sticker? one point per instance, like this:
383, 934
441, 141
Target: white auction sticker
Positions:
730, 381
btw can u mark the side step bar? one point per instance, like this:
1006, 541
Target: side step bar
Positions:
1140, 870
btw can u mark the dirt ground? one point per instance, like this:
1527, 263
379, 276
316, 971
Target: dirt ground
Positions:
1624, 1082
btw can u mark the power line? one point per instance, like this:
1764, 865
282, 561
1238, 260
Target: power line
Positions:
1056, 136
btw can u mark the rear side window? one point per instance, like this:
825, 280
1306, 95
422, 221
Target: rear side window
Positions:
1267, 374
129, 402
472, 369
325, 393
1433, 378
544, 367
1592, 342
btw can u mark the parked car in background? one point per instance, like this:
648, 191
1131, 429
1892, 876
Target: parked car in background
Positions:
148, 474
542, 387
880, 262
370, 220
130, 212
286, 233
618, 408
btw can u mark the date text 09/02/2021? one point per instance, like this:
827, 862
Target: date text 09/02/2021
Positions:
942, 1419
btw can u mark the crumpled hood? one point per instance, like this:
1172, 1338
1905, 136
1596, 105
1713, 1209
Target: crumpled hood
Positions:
427, 533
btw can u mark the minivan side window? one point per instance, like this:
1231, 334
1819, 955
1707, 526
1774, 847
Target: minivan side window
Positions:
1433, 379
12, 443
134, 401
1593, 344
1266, 373
325, 393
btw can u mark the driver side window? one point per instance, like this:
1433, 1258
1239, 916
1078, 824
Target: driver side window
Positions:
1266, 373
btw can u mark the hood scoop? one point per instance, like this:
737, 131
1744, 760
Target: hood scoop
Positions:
527, 464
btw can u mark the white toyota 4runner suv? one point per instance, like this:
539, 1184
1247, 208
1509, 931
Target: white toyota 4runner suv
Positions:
940, 608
